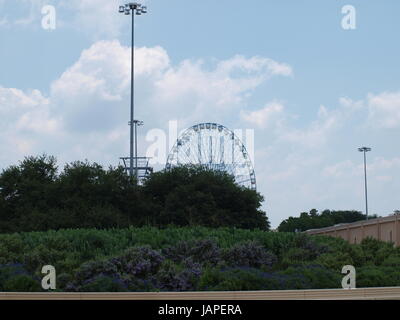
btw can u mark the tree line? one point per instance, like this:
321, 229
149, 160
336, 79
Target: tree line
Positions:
36, 196
315, 220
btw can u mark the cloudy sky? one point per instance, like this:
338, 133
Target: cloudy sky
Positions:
312, 91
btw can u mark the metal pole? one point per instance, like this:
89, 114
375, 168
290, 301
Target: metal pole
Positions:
136, 154
132, 95
365, 183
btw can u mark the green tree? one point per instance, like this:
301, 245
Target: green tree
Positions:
191, 195
34, 197
27, 187
314, 220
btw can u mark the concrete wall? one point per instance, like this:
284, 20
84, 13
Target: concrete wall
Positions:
385, 229
389, 293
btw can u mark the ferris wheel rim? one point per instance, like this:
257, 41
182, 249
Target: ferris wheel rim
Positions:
221, 128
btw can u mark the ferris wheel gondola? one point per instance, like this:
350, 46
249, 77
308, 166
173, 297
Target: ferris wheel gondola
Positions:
215, 147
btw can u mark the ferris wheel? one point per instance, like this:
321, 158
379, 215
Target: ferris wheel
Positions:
215, 147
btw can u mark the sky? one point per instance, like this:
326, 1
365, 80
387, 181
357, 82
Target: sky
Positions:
314, 81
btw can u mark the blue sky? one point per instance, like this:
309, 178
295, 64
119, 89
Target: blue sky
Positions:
312, 91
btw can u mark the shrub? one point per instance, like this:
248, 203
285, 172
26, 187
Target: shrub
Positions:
138, 261
35, 259
172, 277
316, 276
103, 283
204, 251
176, 259
311, 248
14, 278
376, 251
249, 254
134, 267
22, 283
10, 246
246, 279
335, 261
372, 276
392, 261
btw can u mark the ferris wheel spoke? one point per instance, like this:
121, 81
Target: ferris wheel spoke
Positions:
215, 147
187, 157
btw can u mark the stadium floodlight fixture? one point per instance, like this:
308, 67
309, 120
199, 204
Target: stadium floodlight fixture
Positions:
134, 8
364, 149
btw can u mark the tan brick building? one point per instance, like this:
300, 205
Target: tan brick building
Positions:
385, 229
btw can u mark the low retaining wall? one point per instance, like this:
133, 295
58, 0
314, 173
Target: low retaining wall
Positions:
385, 229
390, 293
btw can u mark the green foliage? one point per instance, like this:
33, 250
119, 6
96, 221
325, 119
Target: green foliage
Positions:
315, 276
239, 279
392, 261
22, 283
374, 276
10, 245
103, 283
34, 197
376, 251
249, 254
314, 220
192, 195
204, 252
191, 258
176, 277
14, 278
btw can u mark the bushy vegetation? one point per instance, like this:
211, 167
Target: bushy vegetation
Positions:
34, 196
184, 229
315, 220
190, 258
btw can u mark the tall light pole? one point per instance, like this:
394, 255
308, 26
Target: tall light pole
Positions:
365, 150
133, 9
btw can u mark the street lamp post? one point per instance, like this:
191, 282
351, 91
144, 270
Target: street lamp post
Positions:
365, 150
133, 9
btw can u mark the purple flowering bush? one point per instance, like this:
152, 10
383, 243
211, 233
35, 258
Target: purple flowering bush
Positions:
246, 278
174, 277
133, 270
203, 251
249, 254
190, 259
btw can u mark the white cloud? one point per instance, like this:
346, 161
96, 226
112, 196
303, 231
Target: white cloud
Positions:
380, 168
341, 169
381, 163
255, 64
99, 18
351, 104
27, 13
317, 133
197, 92
384, 110
86, 112
25, 120
263, 117
17, 106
